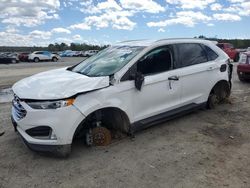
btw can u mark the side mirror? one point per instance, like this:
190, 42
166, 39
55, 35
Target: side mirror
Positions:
139, 79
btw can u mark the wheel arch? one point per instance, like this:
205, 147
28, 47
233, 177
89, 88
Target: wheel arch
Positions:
114, 116
221, 85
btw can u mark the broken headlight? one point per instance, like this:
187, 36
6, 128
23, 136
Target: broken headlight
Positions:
51, 104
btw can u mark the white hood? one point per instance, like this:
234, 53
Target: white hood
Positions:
57, 84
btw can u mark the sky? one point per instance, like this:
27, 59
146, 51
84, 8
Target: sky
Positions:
41, 22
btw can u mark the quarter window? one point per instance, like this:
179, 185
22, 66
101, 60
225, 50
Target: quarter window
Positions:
156, 61
211, 55
191, 54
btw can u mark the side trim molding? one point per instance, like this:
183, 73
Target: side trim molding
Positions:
148, 122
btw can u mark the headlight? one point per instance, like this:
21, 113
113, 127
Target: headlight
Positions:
51, 104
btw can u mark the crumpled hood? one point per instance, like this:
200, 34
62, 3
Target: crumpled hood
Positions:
57, 84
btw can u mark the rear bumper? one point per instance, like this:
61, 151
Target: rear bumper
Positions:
243, 74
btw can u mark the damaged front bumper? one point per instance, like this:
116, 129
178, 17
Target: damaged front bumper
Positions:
49, 131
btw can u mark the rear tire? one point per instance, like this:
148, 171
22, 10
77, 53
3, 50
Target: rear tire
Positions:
212, 101
219, 93
54, 59
14, 61
36, 59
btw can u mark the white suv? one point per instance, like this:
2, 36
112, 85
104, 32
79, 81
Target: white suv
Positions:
123, 88
43, 56
90, 53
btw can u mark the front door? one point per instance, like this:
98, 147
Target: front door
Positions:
161, 89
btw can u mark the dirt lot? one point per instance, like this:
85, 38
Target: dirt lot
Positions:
208, 148
10, 73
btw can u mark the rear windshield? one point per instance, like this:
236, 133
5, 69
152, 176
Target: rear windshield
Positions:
107, 61
244, 59
220, 46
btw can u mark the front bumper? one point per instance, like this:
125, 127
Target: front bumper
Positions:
59, 150
62, 122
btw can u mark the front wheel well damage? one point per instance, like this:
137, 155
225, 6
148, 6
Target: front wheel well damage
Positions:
112, 118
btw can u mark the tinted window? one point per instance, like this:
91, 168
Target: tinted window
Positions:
191, 54
220, 46
46, 53
156, 61
39, 53
229, 45
211, 55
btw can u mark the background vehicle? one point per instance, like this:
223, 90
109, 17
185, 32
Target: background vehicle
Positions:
67, 53
243, 68
248, 49
8, 57
78, 54
24, 56
230, 51
43, 56
125, 87
90, 53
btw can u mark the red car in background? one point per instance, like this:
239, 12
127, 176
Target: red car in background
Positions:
243, 68
230, 51
23, 56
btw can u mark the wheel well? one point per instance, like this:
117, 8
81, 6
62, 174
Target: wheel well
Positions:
221, 89
111, 117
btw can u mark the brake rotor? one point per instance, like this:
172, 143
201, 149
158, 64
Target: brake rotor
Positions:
101, 136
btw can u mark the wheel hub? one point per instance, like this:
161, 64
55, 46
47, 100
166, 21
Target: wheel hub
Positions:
101, 136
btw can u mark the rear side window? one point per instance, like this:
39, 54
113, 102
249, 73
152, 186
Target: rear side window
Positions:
191, 54
211, 55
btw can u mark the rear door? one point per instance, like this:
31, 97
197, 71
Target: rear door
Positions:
47, 55
198, 71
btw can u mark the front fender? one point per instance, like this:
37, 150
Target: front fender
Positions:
92, 101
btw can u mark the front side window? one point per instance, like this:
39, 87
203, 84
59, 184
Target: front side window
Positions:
156, 61
107, 61
191, 54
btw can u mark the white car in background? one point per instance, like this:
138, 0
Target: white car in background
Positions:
125, 87
90, 53
43, 56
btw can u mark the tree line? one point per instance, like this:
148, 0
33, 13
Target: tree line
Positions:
238, 43
53, 47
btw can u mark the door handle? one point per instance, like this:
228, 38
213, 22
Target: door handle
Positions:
172, 78
175, 78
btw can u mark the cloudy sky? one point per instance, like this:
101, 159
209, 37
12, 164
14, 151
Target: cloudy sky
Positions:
40, 22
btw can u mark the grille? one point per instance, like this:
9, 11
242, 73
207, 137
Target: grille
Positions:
18, 110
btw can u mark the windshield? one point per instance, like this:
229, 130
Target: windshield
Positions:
107, 61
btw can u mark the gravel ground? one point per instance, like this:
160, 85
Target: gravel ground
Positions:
207, 148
